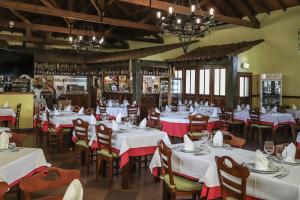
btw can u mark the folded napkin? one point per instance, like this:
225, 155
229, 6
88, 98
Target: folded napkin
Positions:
196, 104
194, 113
191, 110
134, 103
238, 108
143, 123
125, 103
68, 108
261, 162
179, 103
119, 118
80, 112
47, 109
5, 105
248, 107
156, 110
263, 110
115, 126
274, 109
206, 103
218, 139
188, 144
110, 104
190, 102
214, 113
56, 112
74, 191
4, 140
168, 109
294, 107
289, 153
97, 110
93, 120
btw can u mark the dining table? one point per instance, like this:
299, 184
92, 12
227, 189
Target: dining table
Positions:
20, 162
177, 123
7, 114
115, 110
294, 112
202, 167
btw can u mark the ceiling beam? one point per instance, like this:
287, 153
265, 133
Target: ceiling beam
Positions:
161, 5
282, 5
266, 7
20, 16
50, 5
96, 7
76, 16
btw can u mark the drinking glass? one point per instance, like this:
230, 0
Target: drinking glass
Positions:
204, 136
279, 150
127, 122
269, 147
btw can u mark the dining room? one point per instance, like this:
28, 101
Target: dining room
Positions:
149, 99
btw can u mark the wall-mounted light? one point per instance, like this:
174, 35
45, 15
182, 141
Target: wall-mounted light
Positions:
245, 66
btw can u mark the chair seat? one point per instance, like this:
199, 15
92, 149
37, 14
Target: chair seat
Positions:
105, 153
183, 184
82, 143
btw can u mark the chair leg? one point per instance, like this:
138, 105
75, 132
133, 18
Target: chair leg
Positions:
87, 160
260, 139
117, 167
111, 172
146, 162
165, 193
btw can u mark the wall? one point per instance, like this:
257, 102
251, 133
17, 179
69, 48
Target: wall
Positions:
26, 99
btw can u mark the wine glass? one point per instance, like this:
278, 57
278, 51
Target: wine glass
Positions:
204, 136
279, 150
269, 147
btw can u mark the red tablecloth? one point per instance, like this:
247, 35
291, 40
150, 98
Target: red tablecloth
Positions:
10, 119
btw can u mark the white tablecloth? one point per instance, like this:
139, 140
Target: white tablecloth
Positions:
7, 112
180, 117
114, 111
295, 113
242, 115
15, 165
2, 129
262, 186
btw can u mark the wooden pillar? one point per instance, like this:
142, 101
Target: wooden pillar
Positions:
231, 91
137, 79
171, 71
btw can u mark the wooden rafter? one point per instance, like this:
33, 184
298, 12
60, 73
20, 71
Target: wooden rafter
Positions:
266, 7
250, 6
234, 8
76, 16
282, 5
96, 7
24, 19
161, 5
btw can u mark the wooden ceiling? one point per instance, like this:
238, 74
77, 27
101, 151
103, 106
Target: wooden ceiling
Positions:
48, 21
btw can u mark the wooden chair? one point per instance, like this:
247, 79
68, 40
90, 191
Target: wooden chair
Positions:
198, 123
89, 111
64, 103
18, 138
3, 189
105, 152
233, 125
80, 129
132, 112
233, 140
16, 126
224, 121
50, 178
229, 186
256, 124
76, 108
174, 185
102, 108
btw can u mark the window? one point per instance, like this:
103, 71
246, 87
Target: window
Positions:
220, 82
176, 82
190, 82
244, 87
204, 81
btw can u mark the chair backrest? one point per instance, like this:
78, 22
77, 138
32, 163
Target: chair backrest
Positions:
18, 114
198, 123
233, 140
255, 116
232, 177
104, 135
76, 108
50, 178
80, 128
18, 138
102, 108
64, 103
89, 111
132, 110
165, 158
154, 116
154, 124
3, 189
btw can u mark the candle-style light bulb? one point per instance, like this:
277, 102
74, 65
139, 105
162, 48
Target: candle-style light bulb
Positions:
170, 10
94, 38
178, 21
80, 37
198, 20
158, 14
211, 11
70, 39
193, 8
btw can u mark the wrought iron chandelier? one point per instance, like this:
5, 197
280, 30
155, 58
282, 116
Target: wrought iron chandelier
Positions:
86, 40
186, 27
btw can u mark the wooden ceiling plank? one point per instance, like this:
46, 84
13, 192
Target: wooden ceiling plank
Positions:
76, 16
24, 19
183, 10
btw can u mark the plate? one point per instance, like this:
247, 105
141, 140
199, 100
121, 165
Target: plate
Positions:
271, 169
195, 150
223, 146
296, 163
121, 131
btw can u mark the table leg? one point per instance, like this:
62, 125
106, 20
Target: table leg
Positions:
125, 176
60, 138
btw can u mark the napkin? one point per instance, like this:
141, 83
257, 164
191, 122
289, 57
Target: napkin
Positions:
206, 103
248, 107
4, 140
56, 112
5, 105
263, 110
190, 102
74, 191
156, 110
134, 103
143, 123
119, 118
93, 120
294, 107
110, 103
168, 109
188, 144
115, 126
196, 104
274, 109
261, 162
191, 109
125, 103
194, 113
218, 139
68, 108
214, 113
80, 112
289, 153
98, 111
238, 108
179, 103
47, 109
